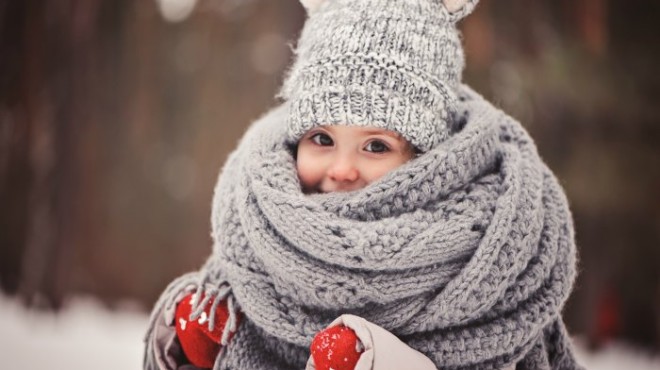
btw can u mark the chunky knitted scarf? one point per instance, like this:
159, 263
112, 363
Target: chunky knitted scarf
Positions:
466, 252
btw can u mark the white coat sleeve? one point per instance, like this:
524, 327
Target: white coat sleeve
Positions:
382, 349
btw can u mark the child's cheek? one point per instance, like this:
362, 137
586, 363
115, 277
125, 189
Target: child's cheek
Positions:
309, 173
379, 168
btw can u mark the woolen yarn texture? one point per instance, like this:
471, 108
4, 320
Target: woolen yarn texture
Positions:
391, 64
466, 252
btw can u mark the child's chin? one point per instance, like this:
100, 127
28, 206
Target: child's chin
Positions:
341, 190
310, 191
321, 190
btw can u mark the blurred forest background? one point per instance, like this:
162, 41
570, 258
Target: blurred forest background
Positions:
115, 117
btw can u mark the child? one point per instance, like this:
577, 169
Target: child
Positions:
385, 212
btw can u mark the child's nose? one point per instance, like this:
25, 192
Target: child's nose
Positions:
343, 169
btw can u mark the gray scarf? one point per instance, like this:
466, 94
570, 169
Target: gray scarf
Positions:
466, 252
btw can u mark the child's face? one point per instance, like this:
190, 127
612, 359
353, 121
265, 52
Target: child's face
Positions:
345, 158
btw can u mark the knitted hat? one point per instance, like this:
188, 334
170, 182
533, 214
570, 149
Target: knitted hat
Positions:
392, 64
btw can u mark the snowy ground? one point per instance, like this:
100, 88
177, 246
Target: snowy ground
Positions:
86, 336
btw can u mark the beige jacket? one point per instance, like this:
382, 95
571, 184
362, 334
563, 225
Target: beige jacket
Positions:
383, 350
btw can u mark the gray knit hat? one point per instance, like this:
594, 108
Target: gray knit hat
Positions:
393, 64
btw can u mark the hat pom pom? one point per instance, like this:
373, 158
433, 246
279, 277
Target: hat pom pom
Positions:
311, 5
459, 9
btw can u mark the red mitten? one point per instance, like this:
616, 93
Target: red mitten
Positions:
200, 345
336, 348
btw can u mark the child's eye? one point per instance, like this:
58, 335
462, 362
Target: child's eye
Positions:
321, 139
377, 146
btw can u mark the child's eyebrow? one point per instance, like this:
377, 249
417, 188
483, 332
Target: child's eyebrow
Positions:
383, 132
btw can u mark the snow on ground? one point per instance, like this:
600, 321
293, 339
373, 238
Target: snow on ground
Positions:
84, 336
87, 336
617, 356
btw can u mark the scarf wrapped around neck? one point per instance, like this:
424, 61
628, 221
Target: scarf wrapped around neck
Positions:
466, 252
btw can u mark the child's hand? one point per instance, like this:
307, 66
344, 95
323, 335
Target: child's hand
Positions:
200, 345
336, 348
